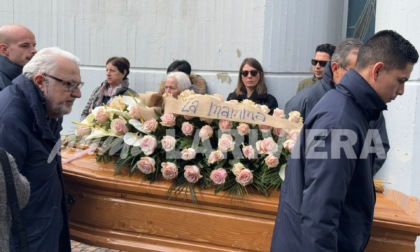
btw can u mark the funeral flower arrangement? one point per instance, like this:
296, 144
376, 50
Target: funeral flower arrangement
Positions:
189, 149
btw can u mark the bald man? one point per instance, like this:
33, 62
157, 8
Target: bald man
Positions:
17, 47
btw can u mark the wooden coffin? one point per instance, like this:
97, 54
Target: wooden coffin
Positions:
130, 214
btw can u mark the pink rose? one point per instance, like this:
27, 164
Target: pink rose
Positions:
148, 144
244, 177
293, 134
279, 132
192, 173
119, 127
134, 112
187, 128
295, 117
188, 154
237, 168
265, 109
101, 116
243, 129
215, 156
186, 95
168, 120
271, 161
218, 176
248, 152
248, 102
266, 146
117, 103
226, 143
225, 125
264, 128
82, 130
289, 144
146, 165
168, 143
169, 170
278, 113
205, 132
150, 125
233, 102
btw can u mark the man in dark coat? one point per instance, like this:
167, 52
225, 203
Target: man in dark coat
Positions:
343, 59
17, 47
322, 55
31, 112
328, 197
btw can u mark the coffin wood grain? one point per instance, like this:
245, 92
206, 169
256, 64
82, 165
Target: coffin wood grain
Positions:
128, 213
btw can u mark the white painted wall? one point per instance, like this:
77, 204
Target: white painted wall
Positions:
213, 35
401, 169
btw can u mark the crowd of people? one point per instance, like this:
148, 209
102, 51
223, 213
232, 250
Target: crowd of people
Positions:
326, 203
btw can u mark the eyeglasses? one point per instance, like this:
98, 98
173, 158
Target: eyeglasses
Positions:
246, 72
71, 86
344, 68
322, 63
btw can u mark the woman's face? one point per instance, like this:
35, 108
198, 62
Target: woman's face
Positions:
171, 87
113, 76
250, 76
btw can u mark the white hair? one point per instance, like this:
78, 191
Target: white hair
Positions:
44, 61
182, 79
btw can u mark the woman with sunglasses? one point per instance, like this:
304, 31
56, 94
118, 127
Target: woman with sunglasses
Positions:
251, 85
116, 83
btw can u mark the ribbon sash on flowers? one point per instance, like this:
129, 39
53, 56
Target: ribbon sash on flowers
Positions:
212, 108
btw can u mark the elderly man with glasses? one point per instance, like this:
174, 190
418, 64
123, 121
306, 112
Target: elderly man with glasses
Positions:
31, 112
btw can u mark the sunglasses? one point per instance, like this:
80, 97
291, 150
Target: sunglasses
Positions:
321, 62
252, 72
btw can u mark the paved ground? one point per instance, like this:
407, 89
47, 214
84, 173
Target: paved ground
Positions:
80, 247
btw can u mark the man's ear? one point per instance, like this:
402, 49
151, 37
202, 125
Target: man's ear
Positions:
334, 66
377, 68
39, 81
3, 50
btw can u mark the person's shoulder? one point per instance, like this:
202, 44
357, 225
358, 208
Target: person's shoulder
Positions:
297, 101
336, 111
199, 83
4, 81
271, 97
306, 81
231, 96
130, 91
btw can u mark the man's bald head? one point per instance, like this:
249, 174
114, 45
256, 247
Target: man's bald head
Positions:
17, 43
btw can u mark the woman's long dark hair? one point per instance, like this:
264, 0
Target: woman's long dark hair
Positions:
261, 88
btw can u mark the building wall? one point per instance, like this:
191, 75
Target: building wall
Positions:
401, 170
214, 36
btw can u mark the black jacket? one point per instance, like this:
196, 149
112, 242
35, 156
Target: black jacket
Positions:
263, 99
328, 197
8, 71
305, 100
